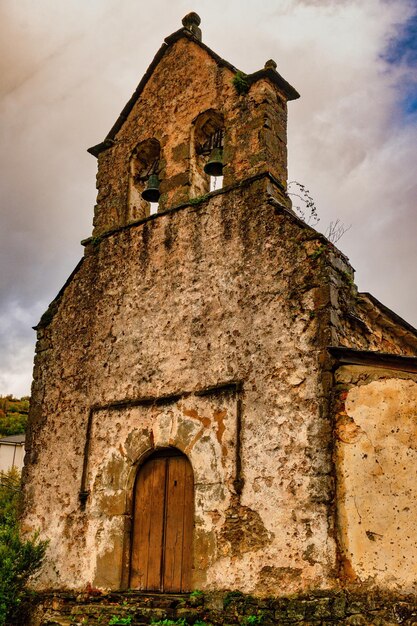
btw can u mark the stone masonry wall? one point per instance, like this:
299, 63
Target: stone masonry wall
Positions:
230, 608
381, 332
353, 320
226, 292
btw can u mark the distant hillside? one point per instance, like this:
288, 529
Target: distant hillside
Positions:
13, 415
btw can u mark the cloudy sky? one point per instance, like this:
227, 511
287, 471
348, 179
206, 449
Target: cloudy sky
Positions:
67, 67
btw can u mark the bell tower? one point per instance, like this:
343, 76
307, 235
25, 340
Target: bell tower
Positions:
192, 116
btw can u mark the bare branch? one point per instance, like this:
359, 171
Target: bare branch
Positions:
306, 209
336, 230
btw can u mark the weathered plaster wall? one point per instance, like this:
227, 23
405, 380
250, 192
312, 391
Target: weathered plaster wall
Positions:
228, 290
204, 428
186, 82
376, 459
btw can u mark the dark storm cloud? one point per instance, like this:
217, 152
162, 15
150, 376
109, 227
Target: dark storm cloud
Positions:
68, 69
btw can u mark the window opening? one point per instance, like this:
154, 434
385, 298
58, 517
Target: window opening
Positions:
144, 180
216, 182
207, 154
213, 149
151, 192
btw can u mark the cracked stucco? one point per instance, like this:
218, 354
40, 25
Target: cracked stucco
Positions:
376, 458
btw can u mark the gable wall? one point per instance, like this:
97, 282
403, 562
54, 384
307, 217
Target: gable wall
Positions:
190, 300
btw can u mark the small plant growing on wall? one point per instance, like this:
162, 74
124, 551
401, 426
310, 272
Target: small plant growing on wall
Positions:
252, 620
303, 204
120, 621
240, 83
196, 598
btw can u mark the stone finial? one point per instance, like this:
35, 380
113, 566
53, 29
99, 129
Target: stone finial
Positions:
270, 65
192, 22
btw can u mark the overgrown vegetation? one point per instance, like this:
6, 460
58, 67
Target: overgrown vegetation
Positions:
237, 596
196, 598
95, 241
318, 252
19, 559
13, 415
197, 200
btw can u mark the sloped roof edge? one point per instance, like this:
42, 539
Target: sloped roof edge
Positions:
388, 312
277, 79
272, 75
352, 356
13, 439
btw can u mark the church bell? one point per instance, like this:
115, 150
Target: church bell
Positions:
214, 166
151, 193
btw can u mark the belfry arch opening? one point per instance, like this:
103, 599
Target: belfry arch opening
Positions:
208, 136
144, 163
163, 521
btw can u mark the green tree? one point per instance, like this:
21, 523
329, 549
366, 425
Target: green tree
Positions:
13, 415
19, 559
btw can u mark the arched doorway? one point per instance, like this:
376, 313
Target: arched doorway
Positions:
163, 520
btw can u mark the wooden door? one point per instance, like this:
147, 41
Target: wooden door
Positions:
163, 522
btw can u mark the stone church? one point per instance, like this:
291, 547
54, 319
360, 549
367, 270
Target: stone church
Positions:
214, 405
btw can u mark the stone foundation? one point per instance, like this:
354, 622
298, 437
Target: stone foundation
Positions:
232, 608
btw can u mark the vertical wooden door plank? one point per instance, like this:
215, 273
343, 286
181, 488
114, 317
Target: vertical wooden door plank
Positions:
188, 529
141, 522
156, 526
147, 538
173, 548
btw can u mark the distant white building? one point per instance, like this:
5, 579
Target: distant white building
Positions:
12, 452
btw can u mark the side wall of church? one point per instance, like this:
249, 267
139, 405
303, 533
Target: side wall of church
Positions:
375, 457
